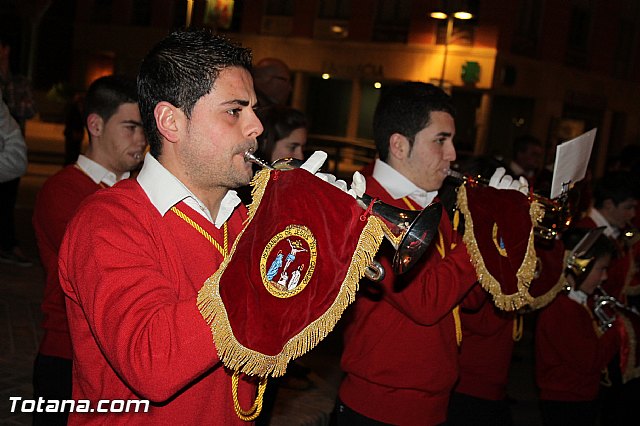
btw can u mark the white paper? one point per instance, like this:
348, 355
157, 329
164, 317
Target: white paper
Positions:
572, 160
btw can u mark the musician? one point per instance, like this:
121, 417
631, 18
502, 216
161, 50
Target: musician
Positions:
615, 199
400, 340
571, 349
116, 147
135, 255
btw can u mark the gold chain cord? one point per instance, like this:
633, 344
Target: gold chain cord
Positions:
440, 246
224, 250
253, 412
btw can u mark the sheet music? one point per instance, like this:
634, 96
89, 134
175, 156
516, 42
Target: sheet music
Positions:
572, 160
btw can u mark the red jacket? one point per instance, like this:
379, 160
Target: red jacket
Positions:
131, 277
569, 354
485, 353
57, 202
400, 350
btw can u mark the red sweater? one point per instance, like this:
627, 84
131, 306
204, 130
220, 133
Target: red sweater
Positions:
569, 354
57, 202
131, 278
400, 350
485, 354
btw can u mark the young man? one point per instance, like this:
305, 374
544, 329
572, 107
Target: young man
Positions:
615, 199
400, 349
135, 256
116, 146
571, 349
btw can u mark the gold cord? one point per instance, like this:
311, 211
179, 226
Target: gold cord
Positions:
253, 412
518, 326
224, 250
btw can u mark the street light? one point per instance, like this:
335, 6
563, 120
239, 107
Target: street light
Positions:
450, 16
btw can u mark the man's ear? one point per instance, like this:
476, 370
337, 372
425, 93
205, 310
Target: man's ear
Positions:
399, 146
95, 124
168, 119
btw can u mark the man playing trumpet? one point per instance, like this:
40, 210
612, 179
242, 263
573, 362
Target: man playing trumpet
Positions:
400, 342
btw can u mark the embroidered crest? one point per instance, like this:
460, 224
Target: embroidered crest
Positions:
288, 261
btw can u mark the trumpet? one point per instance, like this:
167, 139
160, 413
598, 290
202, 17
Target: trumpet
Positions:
557, 214
410, 231
605, 307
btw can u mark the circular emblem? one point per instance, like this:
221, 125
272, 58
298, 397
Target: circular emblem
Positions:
288, 261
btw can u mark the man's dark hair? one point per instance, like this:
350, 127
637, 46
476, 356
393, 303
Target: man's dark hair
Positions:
181, 69
106, 94
406, 109
617, 187
522, 143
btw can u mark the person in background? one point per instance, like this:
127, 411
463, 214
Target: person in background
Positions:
400, 339
116, 146
284, 136
527, 157
570, 347
73, 128
272, 79
16, 94
13, 150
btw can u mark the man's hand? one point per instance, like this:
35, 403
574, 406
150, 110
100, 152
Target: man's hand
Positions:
315, 162
500, 180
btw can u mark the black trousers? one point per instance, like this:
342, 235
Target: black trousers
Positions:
51, 380
8, 197
468, 410
569, 413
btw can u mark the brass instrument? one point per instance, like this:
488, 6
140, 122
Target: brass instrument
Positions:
410, 231
557, 216
605, 307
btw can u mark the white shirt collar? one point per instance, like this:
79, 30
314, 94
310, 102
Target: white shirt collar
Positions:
165, 191
97, 173
610, 231
578, 296
398, 186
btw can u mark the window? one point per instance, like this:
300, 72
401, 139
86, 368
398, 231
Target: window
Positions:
142, 12
101, 13
392, 21
579, 33
335, 9
525, 41
279, 8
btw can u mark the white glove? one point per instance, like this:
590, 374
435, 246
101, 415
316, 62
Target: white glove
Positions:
500, 180
315, 162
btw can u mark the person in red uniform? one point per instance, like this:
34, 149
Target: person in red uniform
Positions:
400, 340
571, 349
116, 146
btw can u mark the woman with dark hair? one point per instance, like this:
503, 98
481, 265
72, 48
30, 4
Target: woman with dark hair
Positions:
284, 135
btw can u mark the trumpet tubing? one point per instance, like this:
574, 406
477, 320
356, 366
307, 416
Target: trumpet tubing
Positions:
557, 216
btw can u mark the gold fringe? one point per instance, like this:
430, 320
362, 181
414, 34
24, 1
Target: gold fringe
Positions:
524, 274
518, 327
239, 358
543, 300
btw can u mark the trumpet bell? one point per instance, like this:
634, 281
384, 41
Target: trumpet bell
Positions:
417, 238
410, 231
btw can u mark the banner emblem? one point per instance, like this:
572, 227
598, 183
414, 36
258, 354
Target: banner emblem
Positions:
288, 261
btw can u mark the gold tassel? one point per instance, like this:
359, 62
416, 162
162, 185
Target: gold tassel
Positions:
458, 324
518, 326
